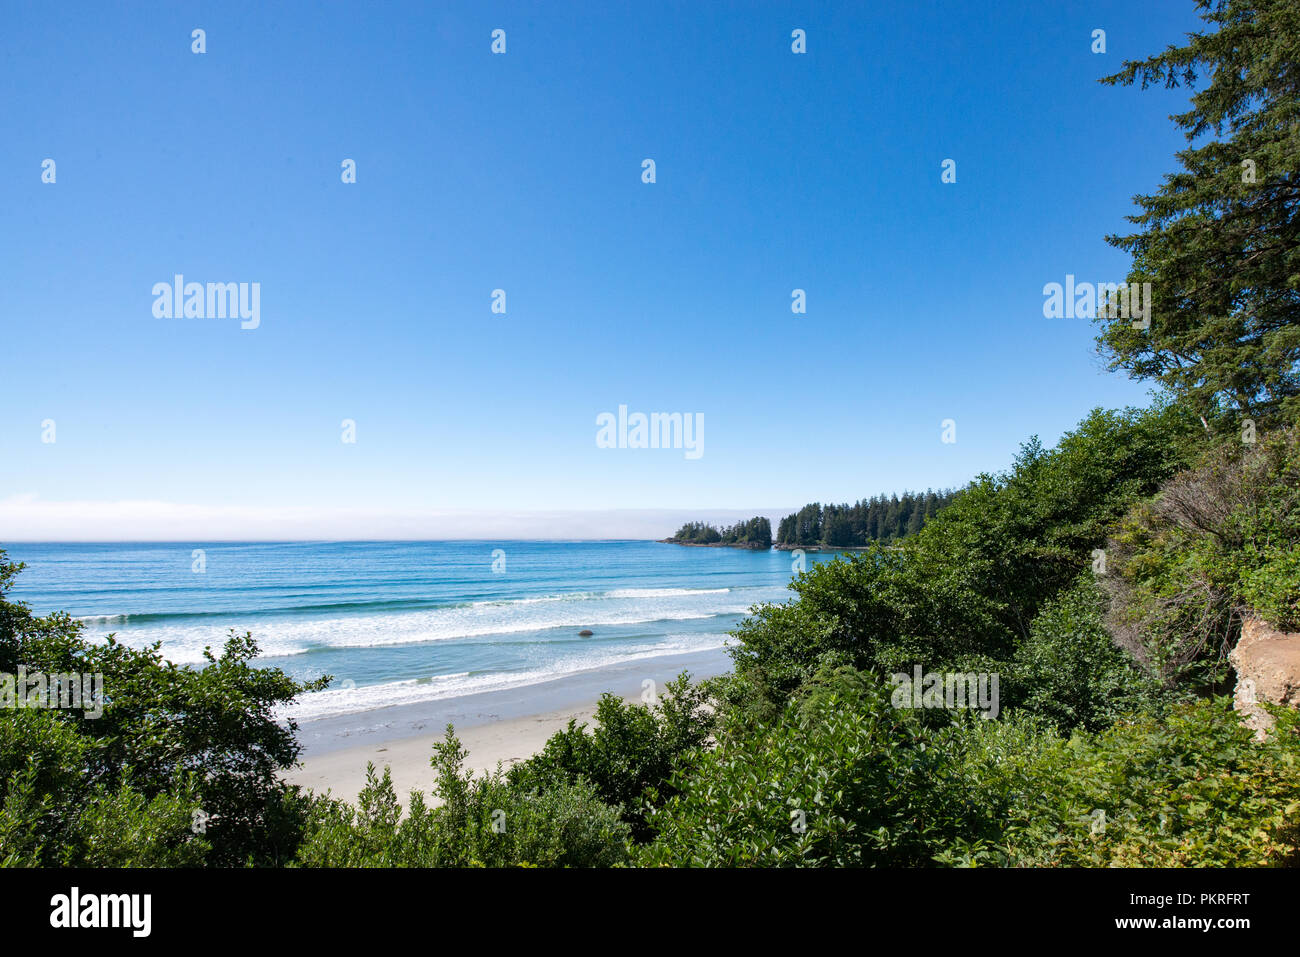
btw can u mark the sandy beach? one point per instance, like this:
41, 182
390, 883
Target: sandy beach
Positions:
343, 771
506, 726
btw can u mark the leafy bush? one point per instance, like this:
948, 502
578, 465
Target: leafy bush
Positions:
629, 757
53, 814
1218, 540
971, 582
840, 779
1071, 672
180, 737
481, 822
1191, 788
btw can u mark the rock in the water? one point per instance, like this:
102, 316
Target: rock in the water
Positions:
585, 633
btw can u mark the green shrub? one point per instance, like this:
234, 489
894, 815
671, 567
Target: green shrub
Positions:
1189, 789
971, 582
176, 735
1071, 672
1220, 540
841, 779
52, 813
1183, 785
481, 822
630, 755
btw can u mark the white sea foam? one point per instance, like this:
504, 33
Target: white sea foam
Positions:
183, 641
598, 595
340, 700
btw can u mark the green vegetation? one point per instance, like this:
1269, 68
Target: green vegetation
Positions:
962, 593
630, 756
851, 781
845, 780
1220, 241
181, 767
755, 533
1220, 540
877, 519
1102, 580
481, 822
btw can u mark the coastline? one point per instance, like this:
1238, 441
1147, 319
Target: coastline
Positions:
505, 726
748, 546
827, 548
342, 772
754, 547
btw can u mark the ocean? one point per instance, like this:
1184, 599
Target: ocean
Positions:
398, 623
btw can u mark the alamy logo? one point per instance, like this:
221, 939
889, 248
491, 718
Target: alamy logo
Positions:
71, 691
102, 910
1116, 300
658, 430
948, 690
179, 299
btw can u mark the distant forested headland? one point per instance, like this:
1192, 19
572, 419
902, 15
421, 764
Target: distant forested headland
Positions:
755, 533
880, 518
877, 519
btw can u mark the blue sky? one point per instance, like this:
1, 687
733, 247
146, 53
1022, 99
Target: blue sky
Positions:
522, 171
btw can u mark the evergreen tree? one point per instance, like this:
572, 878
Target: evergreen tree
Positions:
916, 515
785, 530
1220, 240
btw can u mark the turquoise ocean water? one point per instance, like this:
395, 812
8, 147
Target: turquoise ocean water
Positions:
408, 622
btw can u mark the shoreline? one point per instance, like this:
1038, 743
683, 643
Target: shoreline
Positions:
506, 726
744, 546
342, 772
827, 548
774, 547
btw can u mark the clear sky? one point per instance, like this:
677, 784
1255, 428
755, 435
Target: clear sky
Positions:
522, 171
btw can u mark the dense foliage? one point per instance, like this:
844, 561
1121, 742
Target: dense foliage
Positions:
479, 822
1219, 541
966, 588
1187, 787
844, 779
182, 765
877, 519
1220, 241
754, 533
631, 754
